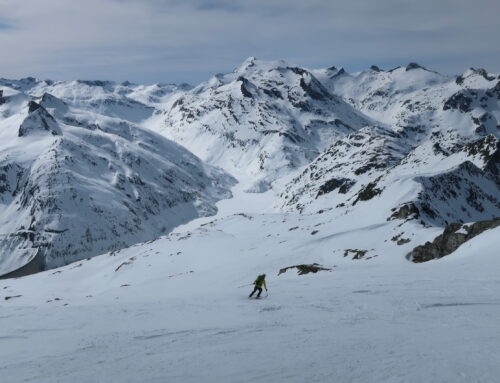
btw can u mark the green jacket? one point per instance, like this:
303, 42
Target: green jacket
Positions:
260, 281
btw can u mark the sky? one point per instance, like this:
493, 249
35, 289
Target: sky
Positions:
173, 41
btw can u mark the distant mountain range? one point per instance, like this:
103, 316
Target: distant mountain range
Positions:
88, 167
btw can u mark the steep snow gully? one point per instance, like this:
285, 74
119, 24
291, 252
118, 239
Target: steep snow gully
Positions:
153, 209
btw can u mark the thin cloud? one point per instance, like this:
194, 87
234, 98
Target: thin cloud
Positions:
188, 40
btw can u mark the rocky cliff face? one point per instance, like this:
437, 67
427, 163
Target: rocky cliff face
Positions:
453, 237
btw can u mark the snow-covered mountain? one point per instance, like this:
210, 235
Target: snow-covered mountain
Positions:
333, 184
262, 120
82, 157
434, 157
76, 182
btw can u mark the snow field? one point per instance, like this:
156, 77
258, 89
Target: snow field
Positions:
173, 310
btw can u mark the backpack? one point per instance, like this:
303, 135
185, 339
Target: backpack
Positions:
259, 280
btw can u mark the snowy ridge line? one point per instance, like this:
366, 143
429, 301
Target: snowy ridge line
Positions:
75, 183
83, 172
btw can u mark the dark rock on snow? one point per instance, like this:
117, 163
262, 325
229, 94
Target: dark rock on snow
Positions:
305, 269
450, 240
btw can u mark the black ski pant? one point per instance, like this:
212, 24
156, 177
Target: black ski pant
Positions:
256, 289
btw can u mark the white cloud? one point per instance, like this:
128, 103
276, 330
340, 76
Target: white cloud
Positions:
148, 40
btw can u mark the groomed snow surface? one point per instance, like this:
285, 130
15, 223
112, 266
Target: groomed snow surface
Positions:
173, 310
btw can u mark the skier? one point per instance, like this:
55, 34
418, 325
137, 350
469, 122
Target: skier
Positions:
261, 280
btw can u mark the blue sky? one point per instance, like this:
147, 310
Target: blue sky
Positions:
189, 40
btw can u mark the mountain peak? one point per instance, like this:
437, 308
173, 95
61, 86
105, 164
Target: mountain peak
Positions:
250, 60
50, 101
32, 106
245, 65
38, 121
100, 83
474, 74
253, 64
413, 65
28, 80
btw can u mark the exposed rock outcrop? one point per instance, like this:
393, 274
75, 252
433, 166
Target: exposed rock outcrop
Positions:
39, 121
342, 184
405, 211
304, 269
460, 100
453, 237
368, 192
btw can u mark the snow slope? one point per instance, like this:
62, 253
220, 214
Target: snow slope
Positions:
75, 184
175, 309
348, 171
